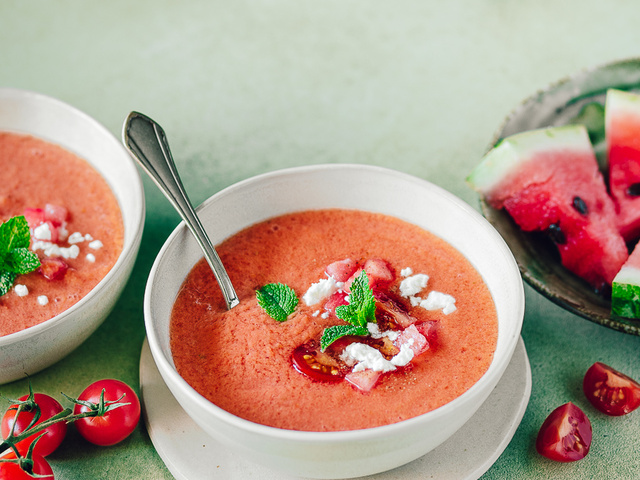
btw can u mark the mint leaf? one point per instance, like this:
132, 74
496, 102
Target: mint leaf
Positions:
331, 334
362, 304
21, 261
15, 257
14, 233
6, 281
278, 300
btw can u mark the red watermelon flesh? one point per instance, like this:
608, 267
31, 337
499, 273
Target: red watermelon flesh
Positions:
548, 180
622, 127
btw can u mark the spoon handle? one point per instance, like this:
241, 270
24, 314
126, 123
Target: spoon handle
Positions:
147, 142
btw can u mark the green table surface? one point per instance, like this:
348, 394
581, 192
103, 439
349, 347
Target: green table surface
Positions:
243, 88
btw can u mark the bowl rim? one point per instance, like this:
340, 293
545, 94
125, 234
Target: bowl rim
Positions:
130, 244
170, 374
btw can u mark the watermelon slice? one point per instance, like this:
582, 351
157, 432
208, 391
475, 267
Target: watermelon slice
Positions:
625, 294
622, 127
548, 181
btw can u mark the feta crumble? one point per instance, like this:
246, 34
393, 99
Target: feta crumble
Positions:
412, 285
43, 300
91, 257
406, 272
21, 290
364, 357
375, 332
53, 250
76, 237
42, 232
320, 290
95, 244
438, 300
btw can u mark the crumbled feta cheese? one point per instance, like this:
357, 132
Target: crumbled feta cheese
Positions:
76, 237
439, 300
325, 315
405, 355
320, 290
63, 233
96, 244
415, 301
413, 284
88, 237
316, 313
365, 357
53, 250
43, 300
42, 232
21, 290
375, 332
91, 257
406, 272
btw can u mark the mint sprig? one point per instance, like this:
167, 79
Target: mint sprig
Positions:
360, 311
15, 257
277, 300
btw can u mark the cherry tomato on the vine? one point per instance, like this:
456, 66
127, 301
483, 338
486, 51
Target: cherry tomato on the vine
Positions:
610, 391
13, 471
55, 433
115, 425
565, 436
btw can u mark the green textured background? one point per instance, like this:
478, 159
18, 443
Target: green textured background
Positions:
245, 87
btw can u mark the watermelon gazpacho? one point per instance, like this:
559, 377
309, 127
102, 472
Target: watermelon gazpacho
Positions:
548, 181
72, 221
347, 320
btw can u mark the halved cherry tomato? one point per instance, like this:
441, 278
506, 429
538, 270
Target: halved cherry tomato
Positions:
565, 436
115, 425
310, 361
610, 391
49, 407
13, 471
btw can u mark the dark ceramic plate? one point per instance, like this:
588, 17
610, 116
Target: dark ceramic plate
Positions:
577, 99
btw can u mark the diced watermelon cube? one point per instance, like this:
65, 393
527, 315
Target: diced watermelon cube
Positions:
335, 300
416, 341
363, 380
429, 329
341, 270
34, 216
55, 214
378, 271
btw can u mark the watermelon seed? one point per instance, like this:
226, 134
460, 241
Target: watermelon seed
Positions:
580, 206
634, 190
556, 234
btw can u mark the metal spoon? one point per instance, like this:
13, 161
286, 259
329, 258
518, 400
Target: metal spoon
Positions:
147, 142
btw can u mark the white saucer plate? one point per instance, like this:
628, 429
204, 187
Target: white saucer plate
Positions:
190, 454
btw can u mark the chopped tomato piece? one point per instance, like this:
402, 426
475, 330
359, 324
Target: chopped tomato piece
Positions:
53, 268
315, 364
610, 391
341, 270
390, 311
363, 380
565, 436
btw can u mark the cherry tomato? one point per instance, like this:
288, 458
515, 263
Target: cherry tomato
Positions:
610, 391
310, 361
13, 471
49, 407
565, 436
115, 425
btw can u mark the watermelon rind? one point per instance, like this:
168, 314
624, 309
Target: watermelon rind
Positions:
625, 294
512, 151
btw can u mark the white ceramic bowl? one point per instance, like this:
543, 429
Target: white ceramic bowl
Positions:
37, 347
349, 453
